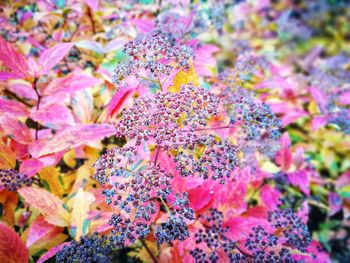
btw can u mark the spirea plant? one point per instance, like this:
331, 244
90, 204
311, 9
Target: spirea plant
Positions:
174, 131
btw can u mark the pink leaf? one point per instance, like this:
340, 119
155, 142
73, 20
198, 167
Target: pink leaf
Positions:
52, 252
335, 202
118, 100
318, 122
83, 105
13, 108
93, 4
71, 137
70, 84
284, 156
300, 179
16, 130
270, 197
54, 116
319, 97
240, 227
30, 167
52, 56
41, 231
13, 59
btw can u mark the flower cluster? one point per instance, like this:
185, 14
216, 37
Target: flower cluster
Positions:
175, 228
90, 249
136, 190
168, 118
13, 180
288, 233
294, 230
151, 56
256, 119
209, 157
214, 237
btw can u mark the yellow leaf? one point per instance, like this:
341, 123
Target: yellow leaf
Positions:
81, 208
69, 158
52, 177
83, 175
183, 77
269, 167
49, 205
143, 254
7, 157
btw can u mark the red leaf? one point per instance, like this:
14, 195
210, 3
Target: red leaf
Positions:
284, 156
70, 84
72, 137
54, 116
52, 56
13, 108
12, 248
41, 232
13, 60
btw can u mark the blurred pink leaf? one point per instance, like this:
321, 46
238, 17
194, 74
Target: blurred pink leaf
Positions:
22, 89
70, 84
318, 122
54, 116
13, 59
284, 156
52, 56
93, 4
13, 108
300, 179
319, 97
71, 137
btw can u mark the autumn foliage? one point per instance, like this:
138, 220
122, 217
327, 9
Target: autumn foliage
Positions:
174, 131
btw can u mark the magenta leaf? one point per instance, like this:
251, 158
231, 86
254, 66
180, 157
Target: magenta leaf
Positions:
71, 137
14, 60
52, 56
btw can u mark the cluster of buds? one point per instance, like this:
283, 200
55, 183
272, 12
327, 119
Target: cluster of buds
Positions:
151, 56
92, 249
168, 118
12, 180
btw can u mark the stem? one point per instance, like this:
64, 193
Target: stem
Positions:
14, 96
157, 155
89, 13
144, 244
208, 129
37, 106
165, 205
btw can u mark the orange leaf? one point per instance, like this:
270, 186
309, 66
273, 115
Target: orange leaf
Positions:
48, 204
9, 201
12, 248
7, 158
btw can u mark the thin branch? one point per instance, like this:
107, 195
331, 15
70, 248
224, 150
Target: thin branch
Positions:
14, 96
37, 106
154, 258
157, 154
208, 129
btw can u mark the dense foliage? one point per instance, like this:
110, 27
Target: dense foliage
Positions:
174, 131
